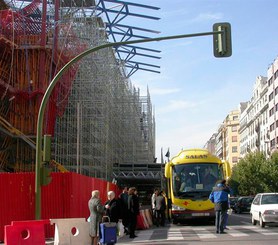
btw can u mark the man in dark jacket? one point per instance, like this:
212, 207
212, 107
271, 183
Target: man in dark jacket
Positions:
124, 210
133, 210
112, 207
219, 196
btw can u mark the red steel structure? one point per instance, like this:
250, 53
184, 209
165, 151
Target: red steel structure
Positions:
33, 48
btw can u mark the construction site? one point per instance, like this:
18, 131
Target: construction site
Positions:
96, 117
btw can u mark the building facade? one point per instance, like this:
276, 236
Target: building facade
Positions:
228, 138
211, 144
254, 120
272, 80
254, 126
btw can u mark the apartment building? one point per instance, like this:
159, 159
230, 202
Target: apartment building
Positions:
253, 128
219, 141
228, 139
211, 144
272, 81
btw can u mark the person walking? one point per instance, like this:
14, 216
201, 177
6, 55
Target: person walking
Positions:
133, 210
96, 212
227, 215
123, 197
160, 207
156, 191
219, 196
154, 215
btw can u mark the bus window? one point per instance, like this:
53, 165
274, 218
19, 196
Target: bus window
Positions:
195, 177
210, 177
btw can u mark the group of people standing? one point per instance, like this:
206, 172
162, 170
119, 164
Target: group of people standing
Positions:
124, 208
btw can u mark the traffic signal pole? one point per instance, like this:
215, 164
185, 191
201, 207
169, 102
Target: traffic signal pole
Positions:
38, 182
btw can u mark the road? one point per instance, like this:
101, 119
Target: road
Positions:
241, 231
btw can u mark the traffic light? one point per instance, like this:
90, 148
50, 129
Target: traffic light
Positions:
45, 175
222, 42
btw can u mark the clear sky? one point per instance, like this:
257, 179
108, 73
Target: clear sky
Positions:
195, 91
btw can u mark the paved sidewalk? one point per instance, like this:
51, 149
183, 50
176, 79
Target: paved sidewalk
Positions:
48, 242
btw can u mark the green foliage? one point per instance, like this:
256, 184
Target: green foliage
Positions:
251, 174
270, 174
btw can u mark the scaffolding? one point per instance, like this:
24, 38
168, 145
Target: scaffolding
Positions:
96, 116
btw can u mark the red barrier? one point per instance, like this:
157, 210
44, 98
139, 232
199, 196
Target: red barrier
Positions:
25, 232
66, 196
141, 221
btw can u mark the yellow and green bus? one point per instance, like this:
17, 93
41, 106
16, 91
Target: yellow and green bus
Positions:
191, 176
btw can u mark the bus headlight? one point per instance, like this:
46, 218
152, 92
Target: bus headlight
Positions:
177, 208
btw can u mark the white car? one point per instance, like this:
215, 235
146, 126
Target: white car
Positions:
264, 209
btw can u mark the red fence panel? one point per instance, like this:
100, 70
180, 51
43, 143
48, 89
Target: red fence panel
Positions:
66, 196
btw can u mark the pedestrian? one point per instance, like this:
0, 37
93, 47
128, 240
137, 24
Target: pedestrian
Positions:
96, 212
227, 215
133, 210
155, 192
219, 196
124, 210
160, 207
112, 209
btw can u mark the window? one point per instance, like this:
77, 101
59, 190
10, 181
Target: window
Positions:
256, 201
270, 96
270, 81
272, 127
234, 149
234, 128
272, 143
234, 159
235, 118
234, 139
271, 111
269, 199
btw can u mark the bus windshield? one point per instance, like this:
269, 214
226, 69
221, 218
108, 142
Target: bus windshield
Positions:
195, 177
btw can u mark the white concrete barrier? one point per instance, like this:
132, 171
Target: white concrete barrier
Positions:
148, 216
74, 231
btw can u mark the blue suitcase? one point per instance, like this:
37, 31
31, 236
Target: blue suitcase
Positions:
108, 232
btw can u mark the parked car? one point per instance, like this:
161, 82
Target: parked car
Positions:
243, 204
232, 201
264, 209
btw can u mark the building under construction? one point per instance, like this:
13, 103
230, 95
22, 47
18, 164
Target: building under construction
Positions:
96, 117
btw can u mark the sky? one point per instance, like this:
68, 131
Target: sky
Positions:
195, 91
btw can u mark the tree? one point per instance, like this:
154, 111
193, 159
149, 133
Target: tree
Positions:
248, 174
233, 182
270, 173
